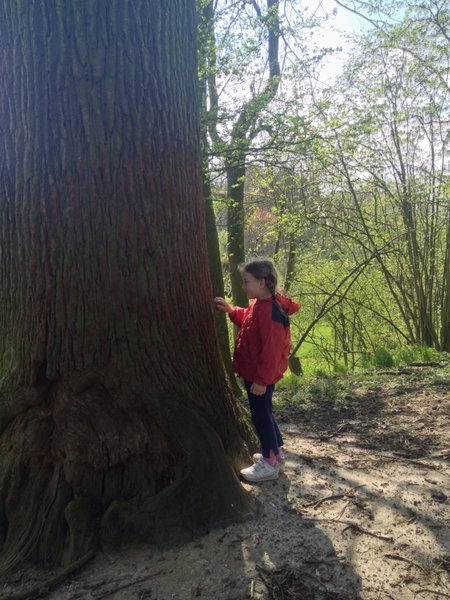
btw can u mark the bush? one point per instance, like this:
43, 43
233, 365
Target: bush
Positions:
383, 358
418, 353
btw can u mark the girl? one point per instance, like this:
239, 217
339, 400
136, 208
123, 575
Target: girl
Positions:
261, 357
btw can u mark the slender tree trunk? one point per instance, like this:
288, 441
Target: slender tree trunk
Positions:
116, 420
291, 261
236, 228
234, 153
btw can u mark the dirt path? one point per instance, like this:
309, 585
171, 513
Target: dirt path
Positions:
362, 511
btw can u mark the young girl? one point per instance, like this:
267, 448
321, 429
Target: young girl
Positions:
261, 357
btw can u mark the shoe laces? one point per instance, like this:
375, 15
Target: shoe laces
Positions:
261, 464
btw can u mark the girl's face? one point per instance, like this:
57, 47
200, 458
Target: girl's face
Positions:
254, 288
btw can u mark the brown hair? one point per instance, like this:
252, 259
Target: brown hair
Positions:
263, 268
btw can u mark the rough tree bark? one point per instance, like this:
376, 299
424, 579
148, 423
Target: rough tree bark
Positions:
204, 32
116, 419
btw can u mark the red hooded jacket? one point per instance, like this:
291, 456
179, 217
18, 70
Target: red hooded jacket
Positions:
263, 342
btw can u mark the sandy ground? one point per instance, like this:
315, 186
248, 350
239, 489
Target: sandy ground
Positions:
362, 512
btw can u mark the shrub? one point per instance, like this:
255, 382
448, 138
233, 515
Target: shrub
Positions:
418, 353
383, 358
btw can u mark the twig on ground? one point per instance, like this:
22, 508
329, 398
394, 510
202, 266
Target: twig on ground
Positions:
444, 456
307, 458
354, 526
340, 514
348, 494
268, 578
43, 589
358, 529
329, 436
406, 560
375, 457
423, 590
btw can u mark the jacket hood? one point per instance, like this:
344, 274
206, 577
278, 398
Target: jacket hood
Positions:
287, 305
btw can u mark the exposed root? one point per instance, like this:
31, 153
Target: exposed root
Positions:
45, 587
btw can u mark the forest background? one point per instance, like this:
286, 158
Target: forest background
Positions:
334, 161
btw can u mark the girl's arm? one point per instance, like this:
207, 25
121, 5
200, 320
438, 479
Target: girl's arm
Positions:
222, 304
236, 314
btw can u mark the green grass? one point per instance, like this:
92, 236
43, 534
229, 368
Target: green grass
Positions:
331, 393
308, 394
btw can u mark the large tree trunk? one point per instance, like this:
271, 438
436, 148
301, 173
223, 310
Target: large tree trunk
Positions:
116, 419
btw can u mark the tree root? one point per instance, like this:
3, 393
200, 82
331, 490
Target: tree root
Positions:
14, 403
44, 588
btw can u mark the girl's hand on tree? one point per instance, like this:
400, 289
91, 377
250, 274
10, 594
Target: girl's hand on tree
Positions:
258, 389
222, 304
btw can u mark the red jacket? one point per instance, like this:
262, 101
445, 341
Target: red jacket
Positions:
263, 342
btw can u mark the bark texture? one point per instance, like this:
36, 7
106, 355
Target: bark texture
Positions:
116, 420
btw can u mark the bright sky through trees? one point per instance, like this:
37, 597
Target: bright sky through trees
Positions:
335, 33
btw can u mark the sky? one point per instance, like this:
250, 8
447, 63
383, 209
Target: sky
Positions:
333, 35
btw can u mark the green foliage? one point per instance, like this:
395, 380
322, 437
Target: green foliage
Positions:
291, 381
354, 194
382, 358
418, 353
308, 395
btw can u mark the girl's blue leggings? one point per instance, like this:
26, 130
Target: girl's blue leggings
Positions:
264, 421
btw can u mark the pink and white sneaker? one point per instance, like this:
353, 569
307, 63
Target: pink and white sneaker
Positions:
280, 463
260, 471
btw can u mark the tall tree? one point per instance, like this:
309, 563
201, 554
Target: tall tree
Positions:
234, 150
116, 420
